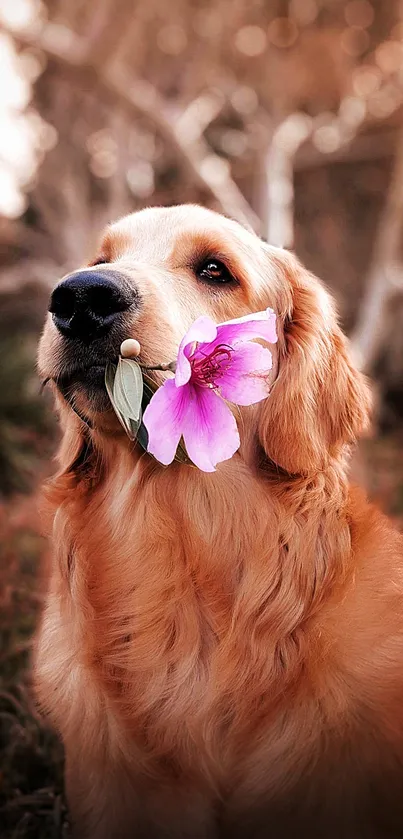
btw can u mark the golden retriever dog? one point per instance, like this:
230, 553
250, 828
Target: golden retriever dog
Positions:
222, 653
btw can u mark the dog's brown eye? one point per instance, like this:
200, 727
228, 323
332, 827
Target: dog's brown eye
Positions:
214, 271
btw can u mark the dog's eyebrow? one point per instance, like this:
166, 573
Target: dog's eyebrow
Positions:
112, 243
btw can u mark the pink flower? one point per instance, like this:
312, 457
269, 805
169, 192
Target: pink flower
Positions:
215, 363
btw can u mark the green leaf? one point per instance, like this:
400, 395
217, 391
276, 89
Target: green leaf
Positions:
110, 373
148, 391
128, 389
142, 436
134, 426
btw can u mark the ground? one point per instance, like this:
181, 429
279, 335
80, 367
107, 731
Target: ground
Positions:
31, 758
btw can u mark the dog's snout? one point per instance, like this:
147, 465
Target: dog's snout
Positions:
86, 304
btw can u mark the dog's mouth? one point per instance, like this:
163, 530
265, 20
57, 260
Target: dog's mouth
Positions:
84, 389
92, 377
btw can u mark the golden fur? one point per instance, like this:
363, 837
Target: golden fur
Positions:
222, 653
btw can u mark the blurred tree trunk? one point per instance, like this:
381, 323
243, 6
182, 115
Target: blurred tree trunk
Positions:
385, 278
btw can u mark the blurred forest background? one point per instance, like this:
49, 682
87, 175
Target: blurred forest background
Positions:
287, 115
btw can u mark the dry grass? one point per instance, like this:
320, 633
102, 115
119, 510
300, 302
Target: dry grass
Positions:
31, 759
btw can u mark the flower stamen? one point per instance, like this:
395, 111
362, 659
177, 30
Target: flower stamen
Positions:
211, 366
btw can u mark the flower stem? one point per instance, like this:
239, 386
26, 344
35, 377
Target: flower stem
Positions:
171, 367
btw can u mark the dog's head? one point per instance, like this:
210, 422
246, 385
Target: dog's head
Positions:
156, 272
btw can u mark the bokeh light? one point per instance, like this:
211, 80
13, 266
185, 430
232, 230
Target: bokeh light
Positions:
172, 39
251, 40
304, 12
283, 32
352, 111
244, 100
366, 80
384, 102
359, 13
21, 14
234, 143
327, 138
355, 41
23, 139
140, 178
389, 56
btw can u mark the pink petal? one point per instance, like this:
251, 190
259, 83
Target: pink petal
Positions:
202, 330
163, 419
245, 381
266, 314
209, 430
257, 325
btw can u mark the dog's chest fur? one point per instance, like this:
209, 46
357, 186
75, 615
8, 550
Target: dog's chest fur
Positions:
197, 629
188, 608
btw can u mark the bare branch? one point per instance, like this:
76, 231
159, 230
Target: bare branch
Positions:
386, 272
279, 173
96, 35
198, 115
142, 98
283, 158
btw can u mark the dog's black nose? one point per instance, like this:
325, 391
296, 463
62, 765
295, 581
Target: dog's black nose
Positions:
86, 304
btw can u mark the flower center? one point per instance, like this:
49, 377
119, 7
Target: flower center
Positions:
208, 367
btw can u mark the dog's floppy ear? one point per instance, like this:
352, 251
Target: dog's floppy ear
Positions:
319, 401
